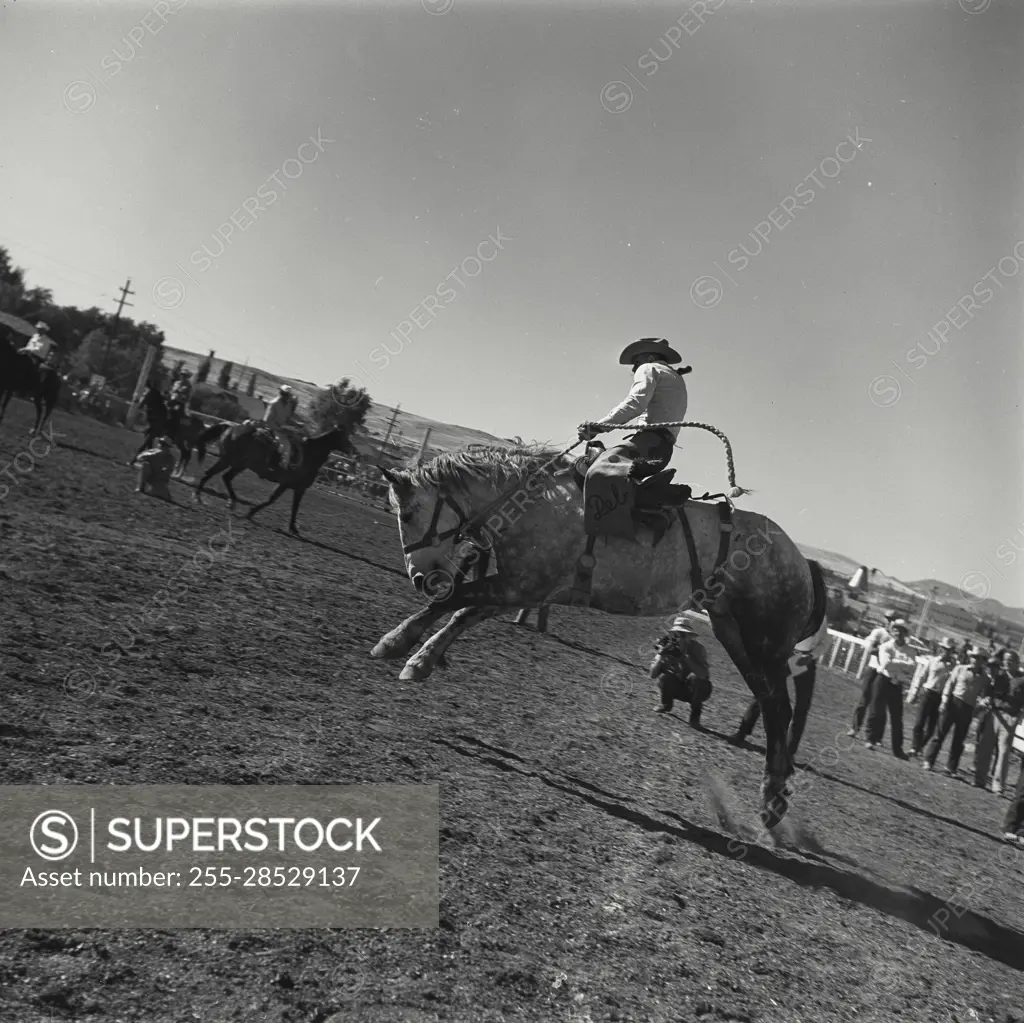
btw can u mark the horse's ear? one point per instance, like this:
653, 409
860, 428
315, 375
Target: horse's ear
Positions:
398, 480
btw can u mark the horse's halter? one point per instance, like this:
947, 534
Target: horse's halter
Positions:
467, 528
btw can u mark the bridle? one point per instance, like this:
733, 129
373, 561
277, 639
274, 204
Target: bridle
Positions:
466, 529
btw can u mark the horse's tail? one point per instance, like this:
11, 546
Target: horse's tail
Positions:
817, 625
209, 434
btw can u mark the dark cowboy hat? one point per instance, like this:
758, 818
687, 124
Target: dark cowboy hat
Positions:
649, 346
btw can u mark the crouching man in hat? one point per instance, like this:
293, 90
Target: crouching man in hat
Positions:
680, 667
658, 395
155, 468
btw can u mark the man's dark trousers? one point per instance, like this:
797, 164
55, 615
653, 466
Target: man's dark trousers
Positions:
956, 717
1015, 814
865, 699
888, 696
927, 718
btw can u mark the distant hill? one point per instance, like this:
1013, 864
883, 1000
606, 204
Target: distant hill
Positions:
840, 564
952, 595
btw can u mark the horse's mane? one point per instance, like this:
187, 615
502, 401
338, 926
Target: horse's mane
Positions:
493, 464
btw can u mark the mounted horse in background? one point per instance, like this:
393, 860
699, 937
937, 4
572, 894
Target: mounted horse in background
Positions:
514, 518
186, 430
248, 446
24, 376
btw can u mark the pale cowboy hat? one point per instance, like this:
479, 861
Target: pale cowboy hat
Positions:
44, 327
890, 615
682, 623
649, 346
976, 651
947, 644
899, 623
285, 389
165, 442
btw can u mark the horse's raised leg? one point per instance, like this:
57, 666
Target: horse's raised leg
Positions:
296, 501
219, 466
768, 684
401, 639
423, 662
278, 491
39, 416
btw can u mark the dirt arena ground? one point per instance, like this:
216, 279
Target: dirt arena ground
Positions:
598, 862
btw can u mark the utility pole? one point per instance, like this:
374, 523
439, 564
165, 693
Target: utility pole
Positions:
929, 600
387, 437
125, 292
422, 454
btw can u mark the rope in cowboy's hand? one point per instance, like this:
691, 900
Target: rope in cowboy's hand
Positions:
588, 430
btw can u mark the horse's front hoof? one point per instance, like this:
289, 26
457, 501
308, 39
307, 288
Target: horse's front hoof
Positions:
737, 739
663, 709
775, 806
413, 672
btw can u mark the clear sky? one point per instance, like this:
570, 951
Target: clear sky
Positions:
623, 151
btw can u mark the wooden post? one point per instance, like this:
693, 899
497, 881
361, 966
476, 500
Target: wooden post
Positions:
140, 385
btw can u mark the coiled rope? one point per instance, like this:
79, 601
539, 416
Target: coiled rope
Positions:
735, 492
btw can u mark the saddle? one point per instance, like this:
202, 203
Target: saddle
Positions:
616, 498
266, 435
619, 494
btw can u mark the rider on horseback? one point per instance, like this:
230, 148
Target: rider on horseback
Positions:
177, 401
40, 345
276, 415
658, 395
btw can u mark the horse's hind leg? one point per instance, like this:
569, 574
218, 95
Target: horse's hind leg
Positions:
226, 480
184, 457
423, 662
767, 681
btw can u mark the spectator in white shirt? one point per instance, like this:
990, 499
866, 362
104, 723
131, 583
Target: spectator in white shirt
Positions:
876, 637
896, 664
928, 688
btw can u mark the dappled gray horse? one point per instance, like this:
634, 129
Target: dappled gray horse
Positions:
490, 530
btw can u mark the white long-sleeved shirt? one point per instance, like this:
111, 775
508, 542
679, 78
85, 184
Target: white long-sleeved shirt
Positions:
933, 679
658, 395
39, 344
276, 414
876, 637
896, 661
967, 684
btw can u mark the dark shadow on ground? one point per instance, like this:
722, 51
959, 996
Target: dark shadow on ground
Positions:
919, 908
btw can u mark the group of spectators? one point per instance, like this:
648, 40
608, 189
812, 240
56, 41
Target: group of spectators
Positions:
955, 689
